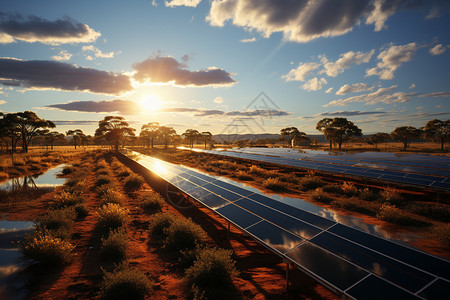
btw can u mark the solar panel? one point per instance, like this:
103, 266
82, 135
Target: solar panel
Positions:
352, 262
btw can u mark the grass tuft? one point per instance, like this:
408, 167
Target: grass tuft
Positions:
321, 196
115, 246
311, 182
112, 216
133, 182
273, 184
152, 201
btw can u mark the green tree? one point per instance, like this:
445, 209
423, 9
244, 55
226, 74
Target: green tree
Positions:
77, 136
190, 135
114, 129
405, 134
380, 137
167, 133
338, 130
54, 137
206, 136
149, 132
437, 131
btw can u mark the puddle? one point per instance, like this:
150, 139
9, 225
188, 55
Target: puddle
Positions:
48, 179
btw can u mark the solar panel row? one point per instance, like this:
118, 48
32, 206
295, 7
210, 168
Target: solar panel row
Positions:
421, 180
357, 264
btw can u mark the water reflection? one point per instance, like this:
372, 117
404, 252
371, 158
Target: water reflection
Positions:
48, 179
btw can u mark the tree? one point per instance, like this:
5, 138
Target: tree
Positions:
437, 131
77, 136
206, 136
114, 129
54, 137
149, 132
167, 133
190, 135
293, 135
380, 137
405, 134
338, 130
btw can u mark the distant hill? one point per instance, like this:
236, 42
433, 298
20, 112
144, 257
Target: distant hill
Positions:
220, 138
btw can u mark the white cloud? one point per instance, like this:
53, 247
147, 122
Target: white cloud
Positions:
62, 55
314, 84
354, 88
98, 53
329, 90
301, 72
391, 60
253, 39
2, 102
218, 100
345, 61
435, 95
420, 107
437, 50
380, 13
412, 86
382, 95
190, 3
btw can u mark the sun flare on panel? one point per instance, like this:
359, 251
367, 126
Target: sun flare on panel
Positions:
150, 103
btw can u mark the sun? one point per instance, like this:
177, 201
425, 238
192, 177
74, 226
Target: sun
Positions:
150, 103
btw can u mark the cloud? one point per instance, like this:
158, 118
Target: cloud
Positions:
314, 84
62, 55
420, 107
125, 107
345, 61
44, 74
190, 3
301, 72
214, 112
329, 90
391, 60
97, 52
159, 69
75, 122
35, 29
435, 95
412, 86
382, 95
218, 100
344, 114
2, 102
251, 40
437, 50
354, 88
305, 20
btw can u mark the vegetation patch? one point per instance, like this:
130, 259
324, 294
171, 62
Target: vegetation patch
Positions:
357, 205
66, 199
159, 223
391, 196
103, 179
311, 182
397, 216
439, 212
59, 222
152, 201
348, 189
442, 233
112, 216
321, 196
273, 184
133, 182
115, 246
242, 175
368, 195
112, 196
183, 234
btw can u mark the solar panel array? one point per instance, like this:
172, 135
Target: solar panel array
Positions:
398, 177
354, 263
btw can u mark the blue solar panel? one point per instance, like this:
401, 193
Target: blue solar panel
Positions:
238, 216
375, 288
440, 289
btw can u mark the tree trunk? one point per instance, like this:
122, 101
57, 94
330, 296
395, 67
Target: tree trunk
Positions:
442, 144
152, 143
116, 146
205, 144
331, 144
405, 144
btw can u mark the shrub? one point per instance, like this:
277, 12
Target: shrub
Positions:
311, 182
368, 195
242, 175
321, 196
332, 188
123, 171
66, 199
212, 273
133, 182
397, 216
348, 189
104, 189
152, 201
68, 170
257, 170
355, 204
273, 184
102, 164
48, 250
81, 210
103, 179
442, 233
391, 196
112, 216
3, 176
159, 223
19, 161
103, 171
112, 196
115, 246
183, 234
440, 212
59, 222
125, 283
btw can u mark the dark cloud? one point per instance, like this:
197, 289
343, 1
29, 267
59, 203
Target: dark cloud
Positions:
304, 20
159, 69
345, 114
124, 107
35, 29
46, 74
75, 122
259, 112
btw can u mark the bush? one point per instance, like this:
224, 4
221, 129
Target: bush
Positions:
159, 223
321, 196
48, 250
59, 222
112, 216
357, 205
257, 170
81, 210
68, 170
242, 175
273, 184
368, 195
103, 171
3, 176
440, 212
112, 196
66, 199
103, 179
332, 188
183, 234
212, 273
348, 189
115, 246
123, 171
311, 182
391, 196
400, 217
133, 182
101, 190
102, 164
152, 201
125, 283
442, 233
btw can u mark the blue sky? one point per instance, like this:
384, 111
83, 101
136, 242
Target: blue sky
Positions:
199, 64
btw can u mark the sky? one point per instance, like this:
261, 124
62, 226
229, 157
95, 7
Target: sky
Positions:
230, 66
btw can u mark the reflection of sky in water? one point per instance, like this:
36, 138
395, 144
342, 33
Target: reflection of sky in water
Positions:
328, 213
48, 179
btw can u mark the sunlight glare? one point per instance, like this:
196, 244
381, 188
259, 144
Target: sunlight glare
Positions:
150, 103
